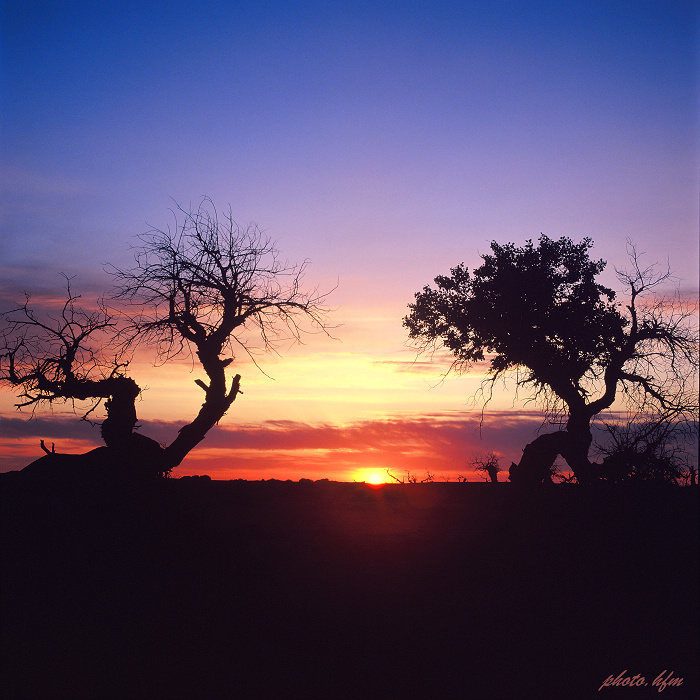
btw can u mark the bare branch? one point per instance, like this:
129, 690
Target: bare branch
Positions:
208, 287
205, 288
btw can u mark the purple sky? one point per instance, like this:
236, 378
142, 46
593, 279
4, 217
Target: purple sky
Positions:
385, 141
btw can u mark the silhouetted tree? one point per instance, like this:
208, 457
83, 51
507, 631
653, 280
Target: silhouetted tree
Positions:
63, 356
206, 287
486, 465
537, 313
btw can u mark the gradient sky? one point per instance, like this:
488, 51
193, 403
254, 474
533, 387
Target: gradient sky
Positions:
384, 141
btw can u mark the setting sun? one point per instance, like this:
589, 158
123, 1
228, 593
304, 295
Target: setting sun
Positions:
374, 477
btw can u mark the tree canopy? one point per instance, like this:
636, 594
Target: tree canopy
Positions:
539, 313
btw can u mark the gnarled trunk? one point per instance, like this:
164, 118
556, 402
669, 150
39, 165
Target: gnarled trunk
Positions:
575, 450
121, 411
535, 466
217, 402
128, 451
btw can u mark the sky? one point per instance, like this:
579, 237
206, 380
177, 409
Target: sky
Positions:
385, 142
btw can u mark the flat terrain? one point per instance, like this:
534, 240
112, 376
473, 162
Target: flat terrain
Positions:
195, 589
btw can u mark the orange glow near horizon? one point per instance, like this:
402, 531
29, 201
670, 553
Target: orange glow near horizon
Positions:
372, 477
345, 410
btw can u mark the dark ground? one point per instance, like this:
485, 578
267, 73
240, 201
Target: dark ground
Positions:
212, 590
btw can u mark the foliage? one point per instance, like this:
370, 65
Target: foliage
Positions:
537, 313
534, 309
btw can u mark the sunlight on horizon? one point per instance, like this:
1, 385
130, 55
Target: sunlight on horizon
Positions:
372, 477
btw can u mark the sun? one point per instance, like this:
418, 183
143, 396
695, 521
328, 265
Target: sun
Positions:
371, 477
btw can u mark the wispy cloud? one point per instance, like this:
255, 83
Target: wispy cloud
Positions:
45, 284
60, 427
442, 443
438, 364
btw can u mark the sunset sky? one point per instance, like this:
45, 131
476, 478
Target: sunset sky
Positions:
384, 141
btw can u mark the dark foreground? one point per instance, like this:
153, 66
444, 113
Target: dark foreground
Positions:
319, 590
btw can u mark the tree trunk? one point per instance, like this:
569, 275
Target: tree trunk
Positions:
213, 409
576, 449
128, 452
535, 466
121, 411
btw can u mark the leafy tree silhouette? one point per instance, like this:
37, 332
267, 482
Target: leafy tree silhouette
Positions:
538, 314
206, 287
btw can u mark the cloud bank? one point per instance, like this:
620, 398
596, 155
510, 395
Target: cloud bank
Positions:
439, 443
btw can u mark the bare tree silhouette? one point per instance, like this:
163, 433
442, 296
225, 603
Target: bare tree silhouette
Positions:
63, 355
537, 313
486, 465
207, 287
649, 449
